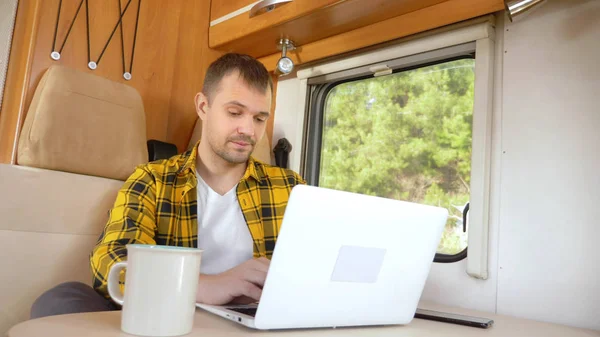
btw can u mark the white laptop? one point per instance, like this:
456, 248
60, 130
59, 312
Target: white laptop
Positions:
344, 259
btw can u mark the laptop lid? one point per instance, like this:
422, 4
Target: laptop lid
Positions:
347, 259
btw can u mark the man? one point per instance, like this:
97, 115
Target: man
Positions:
215, 197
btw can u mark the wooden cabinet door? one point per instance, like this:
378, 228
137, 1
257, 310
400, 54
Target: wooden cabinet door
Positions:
221, 8
302, 21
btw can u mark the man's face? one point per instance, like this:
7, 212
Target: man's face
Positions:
236, 118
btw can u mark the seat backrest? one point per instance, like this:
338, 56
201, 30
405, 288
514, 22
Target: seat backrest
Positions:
262, 150
82, 123
83, 135
49, 223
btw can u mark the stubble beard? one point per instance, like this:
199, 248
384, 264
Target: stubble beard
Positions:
233, 156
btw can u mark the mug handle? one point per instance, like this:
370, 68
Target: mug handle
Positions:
113, 281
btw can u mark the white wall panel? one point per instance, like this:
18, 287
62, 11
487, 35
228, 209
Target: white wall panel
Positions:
549, 258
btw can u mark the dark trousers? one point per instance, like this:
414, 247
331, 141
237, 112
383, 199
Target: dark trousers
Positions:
69, 298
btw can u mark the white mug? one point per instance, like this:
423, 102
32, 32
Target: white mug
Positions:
160, 289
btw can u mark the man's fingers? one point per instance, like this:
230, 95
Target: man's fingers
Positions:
264, 260
261, 264
243, 300
250, 290
257, 277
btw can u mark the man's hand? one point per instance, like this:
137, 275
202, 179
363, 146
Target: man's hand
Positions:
242, 284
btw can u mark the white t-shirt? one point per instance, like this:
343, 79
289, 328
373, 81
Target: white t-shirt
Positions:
222, 230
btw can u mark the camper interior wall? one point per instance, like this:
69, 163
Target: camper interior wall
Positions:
543, 260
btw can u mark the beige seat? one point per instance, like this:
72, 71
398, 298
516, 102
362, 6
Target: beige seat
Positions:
262, 151
82, 123
83, 135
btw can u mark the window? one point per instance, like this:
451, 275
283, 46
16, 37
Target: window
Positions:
405, 135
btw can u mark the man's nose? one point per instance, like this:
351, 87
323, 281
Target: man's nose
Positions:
246, 126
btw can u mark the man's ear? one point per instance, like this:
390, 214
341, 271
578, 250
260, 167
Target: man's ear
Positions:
201, 102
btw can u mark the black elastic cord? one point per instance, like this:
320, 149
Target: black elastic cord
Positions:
122, 38
71, 27
56, 26
113, 32
87, 24
137, 20
89, 48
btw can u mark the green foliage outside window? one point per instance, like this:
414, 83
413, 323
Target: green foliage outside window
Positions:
405, 136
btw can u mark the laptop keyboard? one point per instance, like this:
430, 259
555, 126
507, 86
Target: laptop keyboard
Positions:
246, 311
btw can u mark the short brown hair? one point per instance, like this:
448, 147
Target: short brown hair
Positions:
252, 72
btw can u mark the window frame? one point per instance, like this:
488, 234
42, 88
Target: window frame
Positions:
480, 31
318, 98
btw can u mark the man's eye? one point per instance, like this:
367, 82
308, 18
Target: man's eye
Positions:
234, 112
262, 120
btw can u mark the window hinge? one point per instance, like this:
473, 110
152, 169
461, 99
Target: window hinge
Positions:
380, 70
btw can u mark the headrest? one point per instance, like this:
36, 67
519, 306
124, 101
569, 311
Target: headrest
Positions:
82, 123
262, 150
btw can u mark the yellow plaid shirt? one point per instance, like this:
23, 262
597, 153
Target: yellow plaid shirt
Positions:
158, 205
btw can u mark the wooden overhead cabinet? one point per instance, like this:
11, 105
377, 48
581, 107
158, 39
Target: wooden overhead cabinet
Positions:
302, 21
323, 28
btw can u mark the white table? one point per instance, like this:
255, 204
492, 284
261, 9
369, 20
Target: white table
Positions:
108, 324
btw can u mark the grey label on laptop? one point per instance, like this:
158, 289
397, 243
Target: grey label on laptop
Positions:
358, 264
